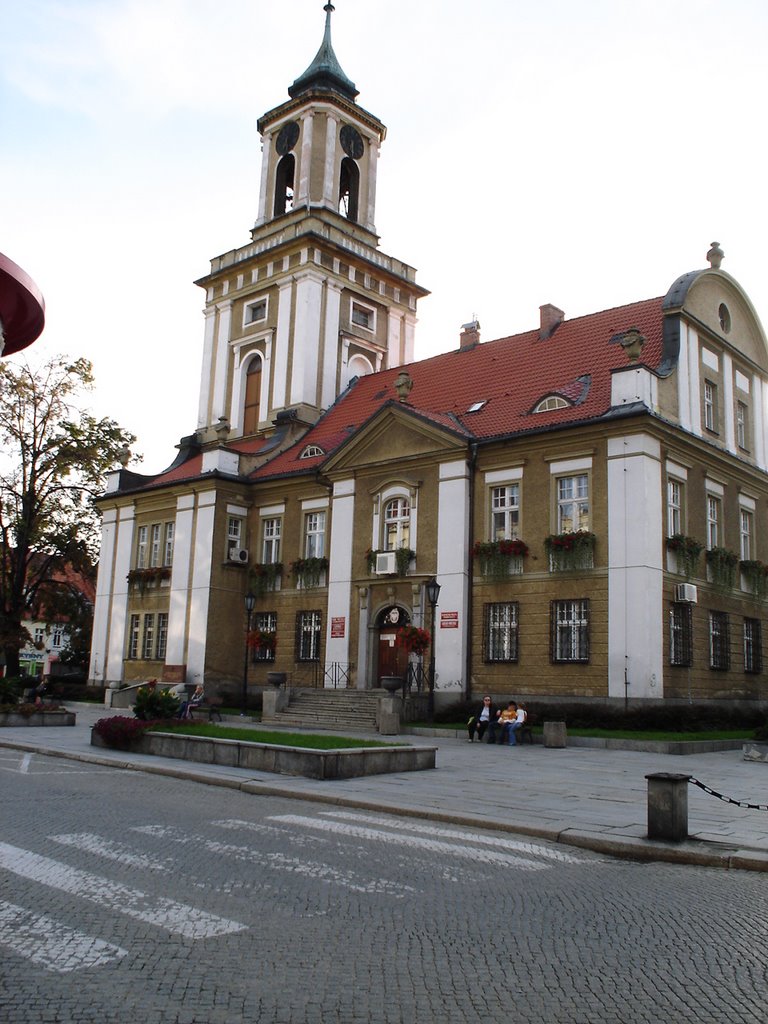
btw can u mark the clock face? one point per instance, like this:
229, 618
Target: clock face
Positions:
287, 138
352, 142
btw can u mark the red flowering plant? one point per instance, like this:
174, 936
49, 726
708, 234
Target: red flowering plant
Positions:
414, 639
500, 558
568, 551
262, 640
119, 732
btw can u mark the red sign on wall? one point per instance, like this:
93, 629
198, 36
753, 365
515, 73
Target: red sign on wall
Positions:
338, 626
449, 620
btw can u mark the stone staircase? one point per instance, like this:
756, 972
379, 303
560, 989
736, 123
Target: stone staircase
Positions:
342, 710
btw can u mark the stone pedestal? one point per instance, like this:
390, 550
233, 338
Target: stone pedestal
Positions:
668, 806
275, 700
389, 715
555, 734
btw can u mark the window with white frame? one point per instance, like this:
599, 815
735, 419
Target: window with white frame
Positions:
551, 403
57, 637
39, 636
255, 312
710, 405
500, 632
314, 535
680, 634
265, 626
742, 428
235, 533
505, 512
170, 530
753, 646
308, 635
719, 647
746, 530
270, 544
148, 642
154, 549
573, 503
675, 495
162, 635
133, 636
362, 316
141, 547
569, 626
397, 524
713, 521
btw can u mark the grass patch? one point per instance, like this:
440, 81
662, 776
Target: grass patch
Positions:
309, 741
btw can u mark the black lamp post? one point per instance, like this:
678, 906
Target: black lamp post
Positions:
250, 603
433, 594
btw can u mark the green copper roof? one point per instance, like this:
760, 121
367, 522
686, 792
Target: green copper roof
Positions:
325, 71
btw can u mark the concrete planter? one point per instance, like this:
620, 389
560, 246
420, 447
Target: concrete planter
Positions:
264, 757
40, 718
755, 750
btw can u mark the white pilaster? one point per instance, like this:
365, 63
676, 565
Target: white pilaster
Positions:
759, 398
306, 337
330, 344
340, 569
394, 339
694, 381
104, 584
200, 589
329, 170
206, 375
266, 159
282, 345
180, 576
373, 163
452, 575
729, 405
301, 197
222, 361
635, 572
118, 618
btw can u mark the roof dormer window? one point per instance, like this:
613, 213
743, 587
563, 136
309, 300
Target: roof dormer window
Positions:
550, 403
311, 451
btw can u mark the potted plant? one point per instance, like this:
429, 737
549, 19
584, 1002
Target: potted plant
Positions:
264, 641
413, 639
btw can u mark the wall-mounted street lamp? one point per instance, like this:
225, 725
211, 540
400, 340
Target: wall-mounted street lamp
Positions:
250, 604
433, 594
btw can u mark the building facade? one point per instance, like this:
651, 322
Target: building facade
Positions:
591, 495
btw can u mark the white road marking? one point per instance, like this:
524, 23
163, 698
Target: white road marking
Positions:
121, 899
431, 845
51, 945
447, 833
308, 868
24, 766
100, 847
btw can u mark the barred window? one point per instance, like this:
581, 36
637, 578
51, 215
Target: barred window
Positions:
719, 647
264, 622
753, 646
500, 632
569, 628
681, 635
308, 627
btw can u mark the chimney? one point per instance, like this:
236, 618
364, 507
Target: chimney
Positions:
550, 319
470, 334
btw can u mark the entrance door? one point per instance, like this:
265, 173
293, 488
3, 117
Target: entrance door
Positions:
393, 657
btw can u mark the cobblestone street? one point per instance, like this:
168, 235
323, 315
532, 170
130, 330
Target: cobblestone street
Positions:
127, 897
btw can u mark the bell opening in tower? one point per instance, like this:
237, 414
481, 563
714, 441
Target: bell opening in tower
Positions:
284, 184
349, 189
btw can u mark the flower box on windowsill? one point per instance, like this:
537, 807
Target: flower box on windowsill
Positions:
498, 559
570, 552
686, 551
265, 577
721, 568
754, 577
144, 578
309, 572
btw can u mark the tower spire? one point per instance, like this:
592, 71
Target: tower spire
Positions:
324, 73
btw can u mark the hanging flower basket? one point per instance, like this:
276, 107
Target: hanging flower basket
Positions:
499, 559
308, 572
722, 565
570, 551
687, 551
756, 575
414, 639
264, 576
264, 641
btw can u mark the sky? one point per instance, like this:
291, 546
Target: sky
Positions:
580, 153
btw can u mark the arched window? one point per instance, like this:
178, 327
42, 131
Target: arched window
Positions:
284, 184
252, 396
349, 188
550, 403
397, 524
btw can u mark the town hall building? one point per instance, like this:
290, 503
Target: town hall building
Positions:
590, 494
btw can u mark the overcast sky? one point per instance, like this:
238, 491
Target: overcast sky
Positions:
581, 153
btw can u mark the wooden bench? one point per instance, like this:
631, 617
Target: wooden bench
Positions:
209, 709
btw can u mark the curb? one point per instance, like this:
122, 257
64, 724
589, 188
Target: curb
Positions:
698, 853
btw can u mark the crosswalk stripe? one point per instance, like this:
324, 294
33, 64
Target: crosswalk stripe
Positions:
155, 910
431, 845
448, 833
51, 945
88, 842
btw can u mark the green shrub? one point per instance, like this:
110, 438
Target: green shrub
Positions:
10, 689
153, 703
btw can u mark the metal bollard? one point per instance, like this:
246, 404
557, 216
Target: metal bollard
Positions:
668, 806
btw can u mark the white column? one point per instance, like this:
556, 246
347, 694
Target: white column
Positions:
394, 343
373, 163
118, 618
222, 361
266, 157
340, 569
635, 571
410, 337
452, 575
206, 373
104, 585
330, 344
329, 170
282, 345
200, 588
304, 170
306, 337
180, 576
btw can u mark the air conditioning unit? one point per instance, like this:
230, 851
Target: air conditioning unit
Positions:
386, 564
238, 555
686, 592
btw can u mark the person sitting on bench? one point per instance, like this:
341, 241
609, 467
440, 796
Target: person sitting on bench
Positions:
185, 711
485, 716
520, 719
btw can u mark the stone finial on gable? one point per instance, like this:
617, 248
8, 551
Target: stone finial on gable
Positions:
403, 385
632, 343
124, 456
715, 256
222, 429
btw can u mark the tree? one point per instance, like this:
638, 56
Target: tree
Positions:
54, 459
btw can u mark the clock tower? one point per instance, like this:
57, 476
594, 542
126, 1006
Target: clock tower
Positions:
311, 301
